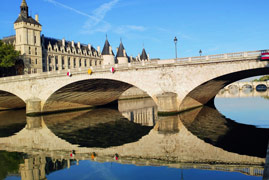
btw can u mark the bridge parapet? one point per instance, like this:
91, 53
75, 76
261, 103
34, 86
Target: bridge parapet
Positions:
147, 64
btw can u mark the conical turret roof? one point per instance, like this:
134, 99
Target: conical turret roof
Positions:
120, 52
143, 55
106, 49
23, 3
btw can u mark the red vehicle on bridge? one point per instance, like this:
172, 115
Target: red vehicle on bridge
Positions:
264, 56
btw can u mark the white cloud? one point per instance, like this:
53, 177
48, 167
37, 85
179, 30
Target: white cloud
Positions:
123, 29
69, 8
95, 22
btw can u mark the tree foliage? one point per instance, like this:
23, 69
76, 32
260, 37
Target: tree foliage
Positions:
263, 78
8, 55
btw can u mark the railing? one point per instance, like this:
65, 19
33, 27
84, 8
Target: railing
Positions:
145, 64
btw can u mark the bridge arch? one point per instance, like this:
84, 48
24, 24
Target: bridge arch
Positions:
205, 93
10, 101
85, 93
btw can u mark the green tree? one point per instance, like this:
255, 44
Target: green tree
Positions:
263, 78
8, 55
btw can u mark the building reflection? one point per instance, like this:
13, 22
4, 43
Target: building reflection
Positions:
141, 111
33, 168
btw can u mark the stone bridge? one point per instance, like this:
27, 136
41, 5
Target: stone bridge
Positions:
174, 85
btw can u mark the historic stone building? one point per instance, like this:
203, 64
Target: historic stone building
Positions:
40, 53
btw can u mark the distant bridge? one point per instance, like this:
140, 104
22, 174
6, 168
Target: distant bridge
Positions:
242, 85
174, 84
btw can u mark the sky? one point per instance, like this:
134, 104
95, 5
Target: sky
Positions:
214, 26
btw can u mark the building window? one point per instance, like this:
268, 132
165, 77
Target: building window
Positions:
85, 63
35, 51
62, 62
29, 50
35, 61
79, 62
68, 61
74, 62
35, 39
30, 61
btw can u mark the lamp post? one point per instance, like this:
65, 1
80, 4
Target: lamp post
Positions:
200, 52
175, 41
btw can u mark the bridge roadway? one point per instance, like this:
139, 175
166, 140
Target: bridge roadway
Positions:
169, 141
174, 85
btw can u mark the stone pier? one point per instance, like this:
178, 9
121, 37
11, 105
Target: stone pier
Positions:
33, 106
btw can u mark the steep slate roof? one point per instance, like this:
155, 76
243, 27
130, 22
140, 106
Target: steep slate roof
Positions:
24, 17
28, 20
143, 55
106, 49
10, 39
58, 42
120, 51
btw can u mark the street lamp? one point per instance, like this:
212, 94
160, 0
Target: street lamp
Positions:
175, 40
200, 52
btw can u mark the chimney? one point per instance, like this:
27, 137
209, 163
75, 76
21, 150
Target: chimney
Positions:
148, 56
89, 47
63, 42
117, 49
73, 44
79, 45
36, 18
98, 49
110, 50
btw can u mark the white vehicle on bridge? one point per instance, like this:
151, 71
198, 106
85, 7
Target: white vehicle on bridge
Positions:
264, 56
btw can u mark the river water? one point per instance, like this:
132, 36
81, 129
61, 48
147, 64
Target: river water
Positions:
132, 142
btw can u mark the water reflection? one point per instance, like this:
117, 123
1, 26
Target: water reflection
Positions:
11, 122
198, 139
211, 126
95, 128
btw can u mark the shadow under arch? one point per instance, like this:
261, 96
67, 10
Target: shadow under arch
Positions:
10, 101
205, 93
11, 122
99, 127
211, 126
85, 94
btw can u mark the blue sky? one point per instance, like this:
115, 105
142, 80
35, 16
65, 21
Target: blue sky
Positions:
215, 26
